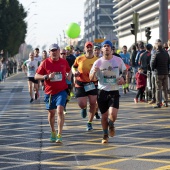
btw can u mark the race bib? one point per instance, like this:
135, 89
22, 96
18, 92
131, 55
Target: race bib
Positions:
57, 77
31, 71
109, 80
89, 86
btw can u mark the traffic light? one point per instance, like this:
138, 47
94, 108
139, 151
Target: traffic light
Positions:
134, 25
148, 33
133, 29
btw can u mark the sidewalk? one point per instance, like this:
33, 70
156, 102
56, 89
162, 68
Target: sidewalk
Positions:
133, 88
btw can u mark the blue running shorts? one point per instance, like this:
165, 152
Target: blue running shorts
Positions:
52, 101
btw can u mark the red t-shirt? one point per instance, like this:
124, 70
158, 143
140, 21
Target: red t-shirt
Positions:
49, 66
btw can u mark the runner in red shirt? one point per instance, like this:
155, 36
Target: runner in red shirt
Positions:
53, 70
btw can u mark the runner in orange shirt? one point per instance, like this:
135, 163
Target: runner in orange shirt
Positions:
85, 89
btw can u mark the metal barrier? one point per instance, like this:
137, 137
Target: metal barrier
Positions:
148, 89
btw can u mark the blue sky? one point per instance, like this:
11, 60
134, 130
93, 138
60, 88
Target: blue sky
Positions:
47, 19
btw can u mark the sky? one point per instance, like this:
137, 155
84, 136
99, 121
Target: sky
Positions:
48, 19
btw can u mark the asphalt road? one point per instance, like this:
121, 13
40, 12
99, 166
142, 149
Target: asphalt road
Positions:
142, 140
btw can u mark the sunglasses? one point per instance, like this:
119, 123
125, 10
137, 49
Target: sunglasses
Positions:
63, 53
54, 50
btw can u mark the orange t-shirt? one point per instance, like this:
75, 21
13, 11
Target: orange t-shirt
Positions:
84, 65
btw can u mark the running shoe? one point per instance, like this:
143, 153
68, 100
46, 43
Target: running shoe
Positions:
152, 102
31, 100
59, 139
165, 104
157, 106
89, 126
105, 138
97, 115
68, 98
65, 112
53, 137
111, 128
83, 113
71, 94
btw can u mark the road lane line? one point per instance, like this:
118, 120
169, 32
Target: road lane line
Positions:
8, 101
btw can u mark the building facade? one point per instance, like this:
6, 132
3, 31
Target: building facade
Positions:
112, 19
148, 17
98, 20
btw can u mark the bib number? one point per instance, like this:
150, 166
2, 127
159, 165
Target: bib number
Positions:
110, 80
31, 71
57, 77
89, 86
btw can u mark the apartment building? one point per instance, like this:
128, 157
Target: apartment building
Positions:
148, 17
112, 19
98, 20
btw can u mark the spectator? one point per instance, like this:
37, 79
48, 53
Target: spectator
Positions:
132, 61
165, 46
3, 67
140, 84
15, 65
160, 65
145, 58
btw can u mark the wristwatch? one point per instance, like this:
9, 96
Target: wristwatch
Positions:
45, 77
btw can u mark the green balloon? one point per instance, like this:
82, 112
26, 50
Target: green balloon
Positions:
73, 30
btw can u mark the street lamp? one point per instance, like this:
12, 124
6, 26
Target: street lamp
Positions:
27, 7
153, 24
30, 17
60, 39
57, 40
33, 25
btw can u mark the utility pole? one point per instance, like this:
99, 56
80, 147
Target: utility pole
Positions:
134, 26
163, 20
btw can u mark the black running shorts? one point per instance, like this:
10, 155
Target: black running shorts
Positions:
32, 79
107, 99
80, 92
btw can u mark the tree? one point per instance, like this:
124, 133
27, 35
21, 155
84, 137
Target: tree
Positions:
13, 28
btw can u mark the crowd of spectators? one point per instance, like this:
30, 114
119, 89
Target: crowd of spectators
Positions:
8, 67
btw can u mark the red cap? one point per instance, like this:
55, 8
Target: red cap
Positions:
88, 43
